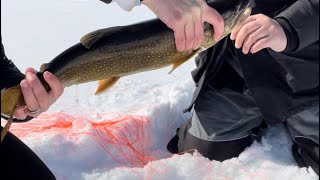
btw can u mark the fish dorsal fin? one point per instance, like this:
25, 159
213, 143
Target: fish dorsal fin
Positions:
89, 39
106, 84
43, 67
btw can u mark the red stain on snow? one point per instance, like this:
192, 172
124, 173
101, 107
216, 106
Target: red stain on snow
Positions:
126, 139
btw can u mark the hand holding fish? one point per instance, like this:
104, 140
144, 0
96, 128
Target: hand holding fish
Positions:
186, 18
259, 32
106, 55
37, 99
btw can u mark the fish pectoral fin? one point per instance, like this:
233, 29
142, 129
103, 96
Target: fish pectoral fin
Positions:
176, 64
10, 98
106, 84
89, 39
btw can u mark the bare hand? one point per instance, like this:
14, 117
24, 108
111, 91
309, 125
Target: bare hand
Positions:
35, 95
259, 32
186, 18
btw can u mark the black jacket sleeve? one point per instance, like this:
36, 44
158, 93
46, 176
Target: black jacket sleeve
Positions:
10, 74
300, 22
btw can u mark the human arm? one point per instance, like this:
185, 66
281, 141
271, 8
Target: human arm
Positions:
300, 22
8, 70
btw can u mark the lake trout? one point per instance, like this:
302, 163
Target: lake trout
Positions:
106, 55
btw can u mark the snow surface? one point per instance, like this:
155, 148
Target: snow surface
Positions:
121, 134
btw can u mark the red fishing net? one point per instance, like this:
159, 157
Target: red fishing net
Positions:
125, 140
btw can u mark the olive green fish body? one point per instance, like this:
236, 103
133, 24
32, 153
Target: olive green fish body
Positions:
106, 55
127, 50
122, 51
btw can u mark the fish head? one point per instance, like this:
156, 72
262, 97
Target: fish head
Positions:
232, 17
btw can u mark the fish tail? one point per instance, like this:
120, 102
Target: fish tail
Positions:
10, 98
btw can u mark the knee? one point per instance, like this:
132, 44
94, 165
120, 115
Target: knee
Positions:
219, 151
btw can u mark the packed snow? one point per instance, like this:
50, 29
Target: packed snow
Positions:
121, 134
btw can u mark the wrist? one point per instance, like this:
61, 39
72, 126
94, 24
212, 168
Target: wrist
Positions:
292, 40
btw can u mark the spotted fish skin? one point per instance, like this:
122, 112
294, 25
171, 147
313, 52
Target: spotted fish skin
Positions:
128, 50
106, 55
122, 51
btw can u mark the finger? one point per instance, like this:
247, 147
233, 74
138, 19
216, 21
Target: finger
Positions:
180, 38
198, 31
244, 32
20, 113
189, 32
260, 44
55, 85
30, 69
40, 94
252, 39
28, 95
212, 17
235, 32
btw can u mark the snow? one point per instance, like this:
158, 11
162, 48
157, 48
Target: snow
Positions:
84, 136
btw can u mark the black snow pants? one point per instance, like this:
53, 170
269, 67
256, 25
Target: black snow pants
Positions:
19, 162
238, 93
